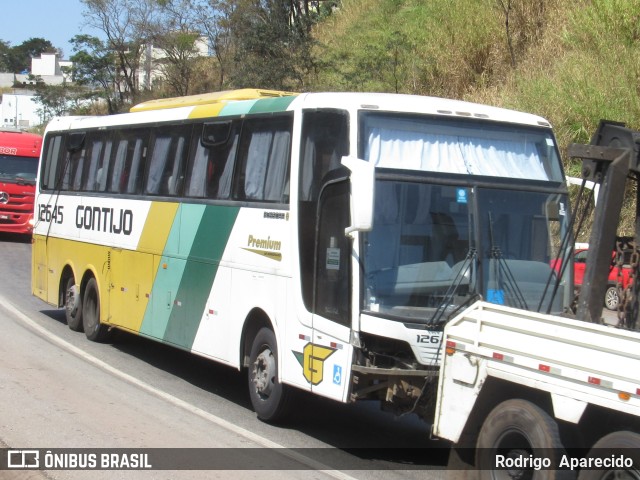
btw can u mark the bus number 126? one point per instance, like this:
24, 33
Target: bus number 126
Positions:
427, 338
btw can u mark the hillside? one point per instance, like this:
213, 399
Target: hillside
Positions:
570, 61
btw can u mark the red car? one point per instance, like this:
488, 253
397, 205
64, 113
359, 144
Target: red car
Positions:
611, 298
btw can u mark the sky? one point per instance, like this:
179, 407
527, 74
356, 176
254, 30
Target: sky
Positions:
55, 20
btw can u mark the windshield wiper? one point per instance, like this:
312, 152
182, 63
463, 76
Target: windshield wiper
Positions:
25, 181
501, 266
437, 319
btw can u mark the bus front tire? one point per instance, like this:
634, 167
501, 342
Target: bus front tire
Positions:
93, 329
73, 305
268, 396
518, 429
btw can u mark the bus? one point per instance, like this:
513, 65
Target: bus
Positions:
19, 155
317, 241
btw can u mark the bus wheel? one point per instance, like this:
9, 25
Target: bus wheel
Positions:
520, 440
268, 396
93, 329
621, 446
73, 305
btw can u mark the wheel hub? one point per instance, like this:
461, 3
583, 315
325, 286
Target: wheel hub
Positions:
71, 303
263, 372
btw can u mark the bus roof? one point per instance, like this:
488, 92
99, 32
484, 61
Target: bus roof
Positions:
402, 103
253, 101
18, 143
209, 99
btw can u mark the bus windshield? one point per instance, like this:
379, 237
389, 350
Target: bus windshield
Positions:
434, 248
450, 228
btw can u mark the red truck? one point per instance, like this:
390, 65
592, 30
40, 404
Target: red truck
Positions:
19, 156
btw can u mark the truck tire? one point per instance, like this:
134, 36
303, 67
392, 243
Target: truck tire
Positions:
625, 444
73, 305
516, 431
269, 397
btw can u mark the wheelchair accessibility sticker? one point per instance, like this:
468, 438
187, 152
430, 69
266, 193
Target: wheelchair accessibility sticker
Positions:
337, 374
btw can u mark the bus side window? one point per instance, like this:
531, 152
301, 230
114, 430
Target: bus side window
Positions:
67, 179
134, 167
332, 266
198, 170
77, 168
118, 166
53, 162
211, 165
94, 152
99, 165
71, 154
265, 154
225, 166
325, 140
102, 173
166, 169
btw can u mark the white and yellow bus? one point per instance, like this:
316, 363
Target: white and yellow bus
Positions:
320, 240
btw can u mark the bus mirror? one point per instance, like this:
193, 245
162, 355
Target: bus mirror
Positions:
362, 194
76, 141
215, 133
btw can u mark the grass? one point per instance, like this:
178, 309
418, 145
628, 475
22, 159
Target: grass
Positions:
573, 62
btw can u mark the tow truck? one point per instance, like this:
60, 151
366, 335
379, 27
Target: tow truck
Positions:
523, 394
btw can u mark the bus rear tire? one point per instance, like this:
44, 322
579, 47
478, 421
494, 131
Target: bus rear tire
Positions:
270, 399
622, 444
93, 329
515, 429
73, 305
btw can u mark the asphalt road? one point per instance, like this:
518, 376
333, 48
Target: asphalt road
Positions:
60, 391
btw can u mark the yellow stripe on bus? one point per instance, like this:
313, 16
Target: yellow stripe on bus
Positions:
209, 99
157, 227
204, 111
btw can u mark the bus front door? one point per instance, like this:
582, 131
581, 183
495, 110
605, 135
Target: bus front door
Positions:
328, 363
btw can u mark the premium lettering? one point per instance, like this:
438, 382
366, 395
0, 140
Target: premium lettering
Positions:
265, 243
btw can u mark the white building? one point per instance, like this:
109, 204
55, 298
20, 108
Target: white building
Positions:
152, 58
19, 110
49, 68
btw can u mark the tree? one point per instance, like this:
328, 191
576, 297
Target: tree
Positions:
215, 23
126, 25
94, 67
18, 59
57, 100
5, 50
273, 43
177, 35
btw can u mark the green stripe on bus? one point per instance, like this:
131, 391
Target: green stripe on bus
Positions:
269, 105
169, 272
207, 247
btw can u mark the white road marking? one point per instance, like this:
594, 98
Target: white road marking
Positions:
264, 442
